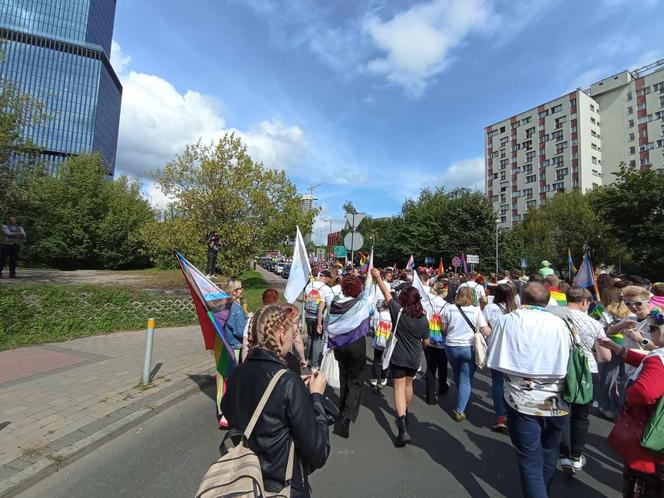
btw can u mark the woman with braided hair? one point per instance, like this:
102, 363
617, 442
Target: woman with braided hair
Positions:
293, 413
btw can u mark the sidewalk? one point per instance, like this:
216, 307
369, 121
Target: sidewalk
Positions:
59, 401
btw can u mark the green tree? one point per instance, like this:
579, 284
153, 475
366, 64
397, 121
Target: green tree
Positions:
566, 221
79, 218
220, 187
633, 205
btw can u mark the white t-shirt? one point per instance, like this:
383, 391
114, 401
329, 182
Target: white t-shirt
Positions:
458, 333
478, 288
325, 295
589, 330
492, 312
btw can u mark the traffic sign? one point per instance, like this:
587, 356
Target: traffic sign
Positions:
472, 259
354, 219
353, 241
456, 261
340, 252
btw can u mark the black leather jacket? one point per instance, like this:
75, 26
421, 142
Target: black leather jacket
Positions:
291, 412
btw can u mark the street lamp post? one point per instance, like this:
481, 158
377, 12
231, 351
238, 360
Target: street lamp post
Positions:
497, 221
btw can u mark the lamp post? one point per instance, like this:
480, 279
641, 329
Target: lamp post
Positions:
497, 221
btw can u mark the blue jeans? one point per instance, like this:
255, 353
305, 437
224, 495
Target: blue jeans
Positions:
537, 444
498, 392
462, 359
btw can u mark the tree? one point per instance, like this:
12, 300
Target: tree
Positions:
220, 187
79, 218
566, 221
349, 208
634, 207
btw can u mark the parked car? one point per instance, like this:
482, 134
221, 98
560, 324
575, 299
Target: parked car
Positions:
271, 265
279, 268
286, 271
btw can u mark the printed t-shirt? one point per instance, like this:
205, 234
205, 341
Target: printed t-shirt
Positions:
316, 293
410, 333
478, 289
588, 330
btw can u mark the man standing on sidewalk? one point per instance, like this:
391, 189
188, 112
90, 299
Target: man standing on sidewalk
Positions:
13, 237
318, 298
531, 347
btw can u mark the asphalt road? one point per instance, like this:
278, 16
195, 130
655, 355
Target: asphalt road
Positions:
166, 456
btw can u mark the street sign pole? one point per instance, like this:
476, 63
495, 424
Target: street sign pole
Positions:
352, 244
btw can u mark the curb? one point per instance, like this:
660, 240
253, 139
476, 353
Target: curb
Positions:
48, 465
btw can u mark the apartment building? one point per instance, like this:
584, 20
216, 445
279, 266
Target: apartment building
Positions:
576, 141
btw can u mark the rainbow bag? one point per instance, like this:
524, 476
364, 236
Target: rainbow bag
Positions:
436, 337
382, 335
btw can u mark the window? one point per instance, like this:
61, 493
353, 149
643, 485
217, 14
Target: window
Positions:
530, 132
526, 120
558, 187
596, 173
516, 124
531, 178
516, 194
503, 141
562, 173
527, 145
572, 103
593, 146
543, 114
495, 176
631, 137
630, 109
530, 155
592, 107
630, 123
593, 120
556, 108
503, 219
560, 147
560, 121
629, 96
594, 133
527, 168
594, 160
528, 193
557, 161
502, 129
531, 204
641, 106
502, 176
632, 163
503, 163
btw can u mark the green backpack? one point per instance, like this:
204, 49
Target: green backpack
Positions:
579, 385
653, 435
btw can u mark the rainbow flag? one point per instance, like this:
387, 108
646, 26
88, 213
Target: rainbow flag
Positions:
441, 268
560, 297
205, 293
436, 331
585, 278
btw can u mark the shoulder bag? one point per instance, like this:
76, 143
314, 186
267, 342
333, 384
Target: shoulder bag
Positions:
389, 348
579, 380
478, 341
238, 473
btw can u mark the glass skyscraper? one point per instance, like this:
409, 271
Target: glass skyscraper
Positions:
58, 52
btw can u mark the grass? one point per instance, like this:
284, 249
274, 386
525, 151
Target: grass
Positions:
33, 313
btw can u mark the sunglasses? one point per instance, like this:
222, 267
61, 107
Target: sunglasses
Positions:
638, 304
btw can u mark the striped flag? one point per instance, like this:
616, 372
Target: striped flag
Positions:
441, 268
463, 260
206, 295
585, 278
411, 263
570, 263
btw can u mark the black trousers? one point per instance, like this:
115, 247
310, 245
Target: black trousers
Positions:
352, 360
212, 261
436, 362
377, 371
9, 252
576, 433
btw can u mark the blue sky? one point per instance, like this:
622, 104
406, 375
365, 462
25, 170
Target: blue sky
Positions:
375, 99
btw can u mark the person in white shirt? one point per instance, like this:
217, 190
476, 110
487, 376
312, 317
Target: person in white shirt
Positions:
587, 331
459, 344
479, 294
503, 302
531, 347
435, 351
506, 277
317, 300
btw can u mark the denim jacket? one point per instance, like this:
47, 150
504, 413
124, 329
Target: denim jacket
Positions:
234, 327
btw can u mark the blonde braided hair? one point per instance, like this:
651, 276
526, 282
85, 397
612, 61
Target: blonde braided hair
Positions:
265, 326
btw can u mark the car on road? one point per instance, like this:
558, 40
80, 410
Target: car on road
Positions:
271, 265
286, 272
279, 268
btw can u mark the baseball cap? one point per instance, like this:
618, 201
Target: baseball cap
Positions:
326, 273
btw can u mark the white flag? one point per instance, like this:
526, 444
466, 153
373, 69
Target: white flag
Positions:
369, 280
424, 295
411, 263
300, 270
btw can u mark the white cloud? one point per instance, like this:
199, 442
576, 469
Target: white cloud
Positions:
158, 121
154, 194
466, 173
418, 42
119, 60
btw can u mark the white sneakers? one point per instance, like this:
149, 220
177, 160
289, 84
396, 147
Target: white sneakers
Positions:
373, 382
571, 466
383, 382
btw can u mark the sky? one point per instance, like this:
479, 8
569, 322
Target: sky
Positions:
374, 99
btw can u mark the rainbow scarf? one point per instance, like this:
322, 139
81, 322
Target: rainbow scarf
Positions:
436, 331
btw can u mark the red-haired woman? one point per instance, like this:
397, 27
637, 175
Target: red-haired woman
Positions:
350, 351
412, 334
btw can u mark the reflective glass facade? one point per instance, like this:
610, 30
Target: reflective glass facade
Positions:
58, 52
